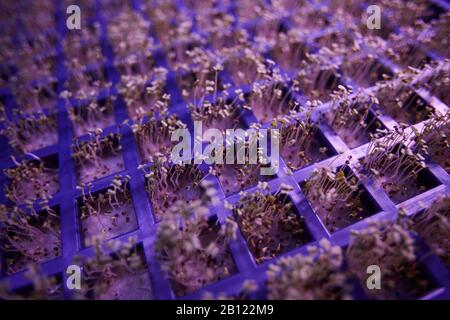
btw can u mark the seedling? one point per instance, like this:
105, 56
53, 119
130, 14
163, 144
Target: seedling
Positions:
117, 272
32, 180
336, 197
301, 143
352, 118
271, 99
144, 97
405, 52
192, 247
434, 34
290, 49
82, 48
167, 184
269, 222
390, 246
222, 114
398, 99
87, 84
307, 18
433, 139
222, 37
435, 77
139, 64
154, 137
245, 66
97, 157
108, 213
318, 76
364, 69
183, 53
433, 227
29, 237
94, 114
250, 10
267, 28
202, 77
31, 132
315, 276
35, 97
394, 165
137, 39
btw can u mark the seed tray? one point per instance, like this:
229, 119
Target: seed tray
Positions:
67, 199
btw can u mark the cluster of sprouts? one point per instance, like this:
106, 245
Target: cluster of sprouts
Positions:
271, 99
290, 49
29, 237
167, 184
107, 214
87, 84
94, 114
394, 164
398, 98
117, 271
318, 74
83, 48
390, 246
317, 275
154, 137
351, 116
433, 226
334, 196
143, 96
31, 180
299, 140
269, 222
245, 66
137, 38
31, 132
192, 246
433, 139
97, 157
222, 114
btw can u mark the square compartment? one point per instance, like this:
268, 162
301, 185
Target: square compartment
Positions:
119, 279
339, 213
365, 70
398, 193
36, 244
153, 138
96, 114
180, 184
272, 101
223, 263
411, 109
353, 134
272, 237
108, 162
243, 69
113, 219
36, 182
314, 149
